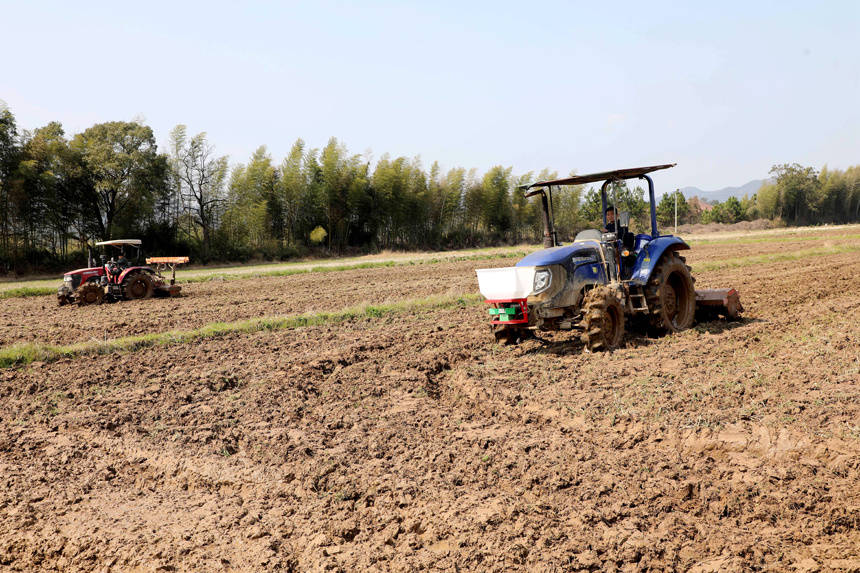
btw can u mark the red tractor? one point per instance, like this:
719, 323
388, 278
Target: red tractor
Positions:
117, 278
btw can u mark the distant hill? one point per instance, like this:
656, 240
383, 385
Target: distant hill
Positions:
722, 194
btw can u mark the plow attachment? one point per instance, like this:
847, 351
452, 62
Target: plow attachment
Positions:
711, 303
162, 264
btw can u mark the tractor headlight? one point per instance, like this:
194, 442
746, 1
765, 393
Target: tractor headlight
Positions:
543, 278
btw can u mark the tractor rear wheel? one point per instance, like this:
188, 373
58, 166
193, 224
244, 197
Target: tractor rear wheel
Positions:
671, 295
603, 320
89, 293
138, 285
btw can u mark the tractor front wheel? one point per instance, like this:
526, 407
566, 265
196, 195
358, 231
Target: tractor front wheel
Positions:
671, 295
138, 285
89, 293
603, 320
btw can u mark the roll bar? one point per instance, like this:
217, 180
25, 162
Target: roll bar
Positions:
540, 188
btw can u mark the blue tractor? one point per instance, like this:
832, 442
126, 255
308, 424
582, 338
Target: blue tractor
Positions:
602, 280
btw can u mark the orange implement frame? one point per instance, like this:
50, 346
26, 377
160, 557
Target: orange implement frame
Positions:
164, 263
166, 260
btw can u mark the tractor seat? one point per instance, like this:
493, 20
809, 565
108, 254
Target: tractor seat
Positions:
588, 235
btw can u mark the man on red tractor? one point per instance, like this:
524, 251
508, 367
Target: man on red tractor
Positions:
116, 279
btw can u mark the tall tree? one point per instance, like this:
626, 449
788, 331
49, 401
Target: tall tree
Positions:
666, 208
451, 217
42, 204
253, 205
8, 164
734, 210
292, 187
201, 176
767, 200
852, 194
568, 216
798, 191
125, 167
336, 177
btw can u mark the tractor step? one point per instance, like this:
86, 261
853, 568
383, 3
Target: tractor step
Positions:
719, 301
638, 300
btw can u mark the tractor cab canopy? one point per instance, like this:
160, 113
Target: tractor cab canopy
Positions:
120, 244
541, 187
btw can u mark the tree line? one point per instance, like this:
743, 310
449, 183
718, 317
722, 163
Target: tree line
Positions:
794, 194
59, 193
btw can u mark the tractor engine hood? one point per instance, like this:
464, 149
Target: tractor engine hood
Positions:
538, 274
84, 270
556, 255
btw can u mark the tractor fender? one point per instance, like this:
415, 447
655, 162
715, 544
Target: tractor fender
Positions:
650, 255
130, 270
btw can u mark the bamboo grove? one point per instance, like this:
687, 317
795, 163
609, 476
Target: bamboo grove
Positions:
59, 192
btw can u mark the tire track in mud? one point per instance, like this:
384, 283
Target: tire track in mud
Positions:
751, 454
415, 441
744, 455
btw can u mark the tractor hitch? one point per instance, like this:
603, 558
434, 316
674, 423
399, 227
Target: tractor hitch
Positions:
714, 302
162, 264
509, 311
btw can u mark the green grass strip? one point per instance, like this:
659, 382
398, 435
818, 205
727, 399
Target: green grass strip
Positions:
23, 354
787, 238
752, 260
21, 292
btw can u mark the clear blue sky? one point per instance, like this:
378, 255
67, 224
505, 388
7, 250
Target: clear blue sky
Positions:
725, 89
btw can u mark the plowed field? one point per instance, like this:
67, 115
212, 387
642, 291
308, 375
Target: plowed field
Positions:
411, 441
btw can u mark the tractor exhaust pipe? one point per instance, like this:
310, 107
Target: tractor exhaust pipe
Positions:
548, 230
550, 239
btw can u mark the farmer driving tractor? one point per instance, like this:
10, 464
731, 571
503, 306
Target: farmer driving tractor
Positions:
118, 278
610, 220
628, 240
116, 266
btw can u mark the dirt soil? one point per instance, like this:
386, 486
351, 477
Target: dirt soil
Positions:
230, 300
757, 225
413, 442
39, 319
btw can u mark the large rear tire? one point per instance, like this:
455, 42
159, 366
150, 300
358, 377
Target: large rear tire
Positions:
671, 295
89, 293
603, 320
138, 285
